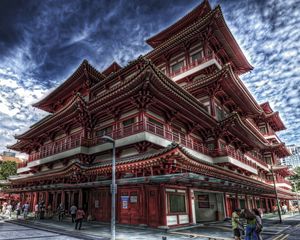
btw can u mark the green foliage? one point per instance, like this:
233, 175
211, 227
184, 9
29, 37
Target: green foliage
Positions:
7, 168
295, 179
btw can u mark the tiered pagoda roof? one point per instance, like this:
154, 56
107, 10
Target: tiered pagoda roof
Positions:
197, 13
219, 30
85, 76
272, 117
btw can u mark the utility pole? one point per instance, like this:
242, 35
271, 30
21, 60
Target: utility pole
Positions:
276, 195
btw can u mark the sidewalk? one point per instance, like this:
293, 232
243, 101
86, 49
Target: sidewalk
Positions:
95, 230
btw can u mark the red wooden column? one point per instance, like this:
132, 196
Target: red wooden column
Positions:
226, 205
190, 197
237, 200
80, 199
163, 206
72, 197
62, 199
267, 205
246, 201
46, 199
54, 201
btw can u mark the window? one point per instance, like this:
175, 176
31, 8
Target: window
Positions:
211, 146
151, 120
263, 129
177, 203
268, 160
104, 131
220, 114
197, 56
176, 67
128, 122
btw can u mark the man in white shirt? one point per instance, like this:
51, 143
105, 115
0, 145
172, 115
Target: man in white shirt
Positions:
73, 211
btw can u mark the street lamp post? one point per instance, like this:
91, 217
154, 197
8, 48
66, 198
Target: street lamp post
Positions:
297, 197
113, 187
277, 200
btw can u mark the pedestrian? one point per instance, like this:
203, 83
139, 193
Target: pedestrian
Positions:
73, 211
259, 225
284, 209
25, 210
274, 209
36, 211
18, 209
4, 207
79, 217
49, 211
42, 210
251, 225
9, 210
236, 224
61, 211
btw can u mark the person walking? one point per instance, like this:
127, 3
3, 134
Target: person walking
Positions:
259, 225
61, 211
251, 225
36, 211
18, 209
284, 209
73, 211
79, 217
25, 210
42, 210
49, 211
9, 210
236, 224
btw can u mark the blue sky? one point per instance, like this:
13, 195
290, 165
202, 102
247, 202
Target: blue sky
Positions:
42, 42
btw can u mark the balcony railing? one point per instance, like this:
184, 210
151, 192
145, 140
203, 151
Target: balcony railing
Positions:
157, 130
195, 64
234, 154
76, 140
73, 141
257, 160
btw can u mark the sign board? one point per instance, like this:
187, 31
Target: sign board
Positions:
96, 203
133, 199
125, 200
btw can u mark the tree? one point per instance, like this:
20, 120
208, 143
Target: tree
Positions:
7, 168
295, 179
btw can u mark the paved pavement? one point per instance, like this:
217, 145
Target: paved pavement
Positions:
52, 229
9, 231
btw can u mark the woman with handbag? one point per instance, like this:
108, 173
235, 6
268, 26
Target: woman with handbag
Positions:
251, 225
259, 226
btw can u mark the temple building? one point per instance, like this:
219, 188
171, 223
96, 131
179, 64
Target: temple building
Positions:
192, 143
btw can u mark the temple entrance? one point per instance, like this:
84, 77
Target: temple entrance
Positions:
58, 199
67, 201
209, 206
85, 200
231, 204
153, 203
101, 204
130, 206
50, 199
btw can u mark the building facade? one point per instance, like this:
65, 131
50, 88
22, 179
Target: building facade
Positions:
294, 159
192, 143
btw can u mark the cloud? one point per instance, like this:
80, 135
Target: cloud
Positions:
43, 42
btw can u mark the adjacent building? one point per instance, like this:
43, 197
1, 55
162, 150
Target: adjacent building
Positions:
294, 159
192, 143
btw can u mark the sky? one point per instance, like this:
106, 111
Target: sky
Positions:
43, 42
